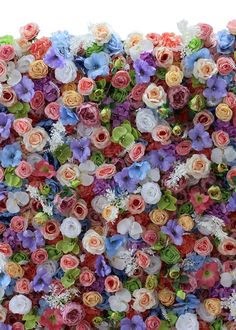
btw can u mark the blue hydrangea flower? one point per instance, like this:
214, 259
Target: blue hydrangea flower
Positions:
68, 117
11, 155
113, 244
61, 43
114, 46
138, 171
225, 42
97, 65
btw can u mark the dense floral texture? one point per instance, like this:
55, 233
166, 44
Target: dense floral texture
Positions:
118, 180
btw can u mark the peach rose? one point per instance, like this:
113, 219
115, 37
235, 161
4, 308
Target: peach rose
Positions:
86, 277
7, 53
38, 69
203, 246
137, 152
162, 134
204, 69
69, 261
105, 171
213, 306
22, 125
93, 242
143, 260
36, 139
110, 213
3, 71
39, 48
8, 96
136, 204
231, 176
144, 299
37, 102
22, 286
29, 31
183, 148
232, 26
101, 32
227, 247
39, 256
100, 138
223, 112
92, 298
186, 222
154, 37
80, 209
198, 166
159, 217
164, 56
52, 111
14, 270
154, 96
225, 65
50, 230
18, 224
112, 283
220, 139
166, 297
5, 249
67, 173
24, 169
121, 79
86, 86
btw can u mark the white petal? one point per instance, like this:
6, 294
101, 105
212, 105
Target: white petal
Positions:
87, 166
86, 179
117, 305
12, 206
229, 154
135, 230
22, 198
124, 295
154, 174
14, 78
217, 155
124, 225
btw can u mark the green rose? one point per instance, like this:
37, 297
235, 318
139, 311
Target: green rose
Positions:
119, 95
217, 325
186, 208
170, 255
151, 282
53, 253
98, 158
31, 320
95, 48
44, 189
197, 103
195, 44
167, 201
70, 277
68, 245
20, 257
62, 153
161, 73
6, 40
133, 284
20, 110
101, 83
97, 95
123, 134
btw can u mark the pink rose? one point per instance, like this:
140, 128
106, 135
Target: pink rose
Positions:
136, 204
24, 169
137, 92
22, 125
69, 261
150, 237
112, 283
203, 246
1, 174
7, 53
83, 325
229, 265
231, 176
51, 230
205, 117
154, 37
162, 134
143, 259
105, 171
86, 277
178, 96
137, 152
164, 57
29, 31
100, 138
88, 113
121, 79
8, 97
39, 256
232, 26
18, 224
52, 110
22, 286
220, 139
85, 86
64, 205
227, 246
72, 314
225, 65
3, 71
80, 210
230, 99
205, 31
152, 323
183, 148
37, 102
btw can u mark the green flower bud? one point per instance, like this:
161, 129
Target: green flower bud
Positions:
195, 44
151, 282
97, 95
170, 255
40, 218
119, 95
133, 284
20, 110
98, 158
197, 103
20, 257
53, 253
6, 40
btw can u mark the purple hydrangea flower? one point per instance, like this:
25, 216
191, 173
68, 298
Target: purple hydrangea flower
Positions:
25, 89
136, 323
51, 91
101, 186
231, 206
53, 59
102, 268
42, 280
149, 58
173, 230
124, 181
162, 159
120, 113
80, 149
143, 71
216, 89
31, 239
200, 138
5, 125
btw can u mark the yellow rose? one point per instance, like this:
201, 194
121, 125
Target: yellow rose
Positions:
174, 76
158, 217
186, 222
72, 86
38, 69
14, 270
223, 112
213, 306
92, 298
72, 99
166, 297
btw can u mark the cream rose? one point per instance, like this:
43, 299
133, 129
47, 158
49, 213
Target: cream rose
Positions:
151, 192
66, 74
198, 166
154, 96
187, 321
101, 32
35, 140
204, 69
144, 299
67, 173
93, 242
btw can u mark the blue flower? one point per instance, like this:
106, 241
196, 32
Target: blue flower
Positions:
4, 280
68, 117
114, 46
225, 42
190, 303
53, 59
138, 171
61, 43
11, 155
191, 59
97, 65
193, 262
113, 244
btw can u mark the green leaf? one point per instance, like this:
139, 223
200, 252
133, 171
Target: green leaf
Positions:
62, 153
172, 318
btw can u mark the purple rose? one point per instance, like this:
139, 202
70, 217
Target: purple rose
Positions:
178, 96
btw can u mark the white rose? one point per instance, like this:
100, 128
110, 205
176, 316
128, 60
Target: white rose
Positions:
198, 166
120, 301
67, 173
155, 265
93, 242
84, 131
70, 227
144, 299
36, 139
118, 261
131, 40
142, 46
226, 280
66, 74
204, 69
154, 96
204, 315
23, 63
98, 203
20, 304
154, 174
102, 33
151, 192
187, 321
145, 120
3, 262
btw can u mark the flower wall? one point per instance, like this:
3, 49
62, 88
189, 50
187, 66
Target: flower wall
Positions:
117, 179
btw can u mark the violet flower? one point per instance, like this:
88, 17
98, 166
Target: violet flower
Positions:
124, 181
136, 323
53, 59
102, 268
143, 71
231, 206
80, 149
120, 113
5, 125
25, 89
162, 159
31, 239
174, 231
42, 280
200, 138
216, 89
